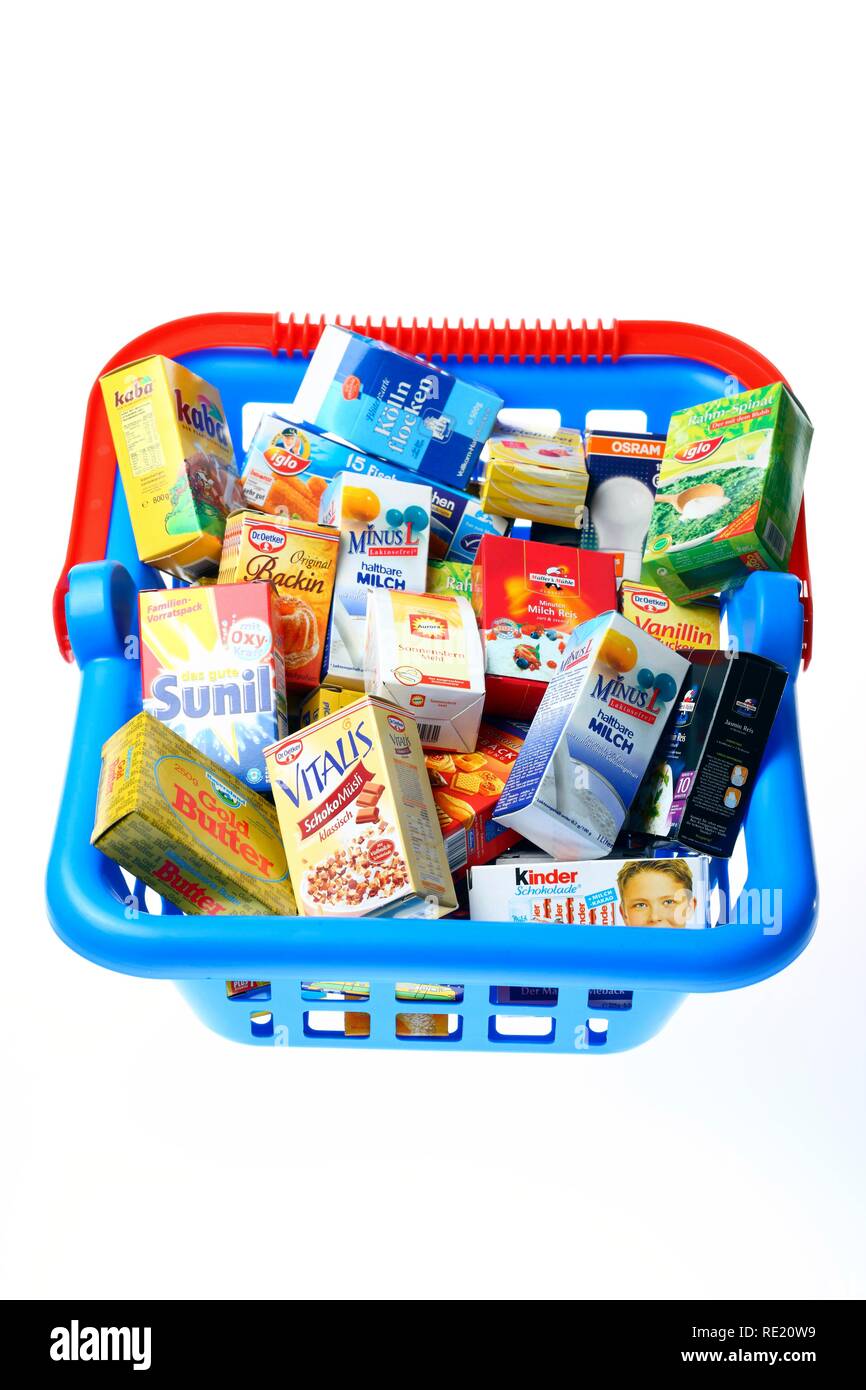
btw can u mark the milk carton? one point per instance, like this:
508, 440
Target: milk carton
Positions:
592, 739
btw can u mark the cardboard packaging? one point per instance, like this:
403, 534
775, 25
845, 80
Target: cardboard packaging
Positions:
423, 653
324, 701
397, 407
671, 893
384, 536
592, 739
678, 626
300, 559
531, 476
527, 598
466, 788
729, 492
449, 577
357, 816
212, 670
623, 472
248, 989
697, 790
176, 463
191, 831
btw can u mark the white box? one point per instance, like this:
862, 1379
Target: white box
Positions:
592, 739
423, 653
670, 892
384, 538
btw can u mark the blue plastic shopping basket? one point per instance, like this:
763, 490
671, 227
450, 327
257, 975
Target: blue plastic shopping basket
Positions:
606, 989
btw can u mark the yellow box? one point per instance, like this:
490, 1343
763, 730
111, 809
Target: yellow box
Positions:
677, 625
174, 819
324, 701
357, 815
176, 463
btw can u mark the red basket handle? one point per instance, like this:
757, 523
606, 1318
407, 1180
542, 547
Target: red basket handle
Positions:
91, 511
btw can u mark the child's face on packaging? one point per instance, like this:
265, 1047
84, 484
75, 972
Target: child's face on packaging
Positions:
654, 899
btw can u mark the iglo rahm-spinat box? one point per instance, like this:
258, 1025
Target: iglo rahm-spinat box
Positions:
182, 825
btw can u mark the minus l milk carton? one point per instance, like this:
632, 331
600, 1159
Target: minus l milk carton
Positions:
592, 739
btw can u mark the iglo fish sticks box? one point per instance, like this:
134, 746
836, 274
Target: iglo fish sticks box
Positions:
608, 893
729, 492
384, 535
177, 821
176, 463
288, 466
357, 817
423, 653
300, 559
397, 407
592, 739
212, 670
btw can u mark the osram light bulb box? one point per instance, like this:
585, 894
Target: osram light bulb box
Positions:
697, 789
677, 625
592, 739
179, 822
605, 893
384, 536
300, 559
176, 461
528, 597
729, 492
405, 411
357, 816
212, 670
423, 653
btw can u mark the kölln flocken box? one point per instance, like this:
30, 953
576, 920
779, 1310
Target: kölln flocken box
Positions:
424, 654
357, 816
191, 831
176, 463
300, 559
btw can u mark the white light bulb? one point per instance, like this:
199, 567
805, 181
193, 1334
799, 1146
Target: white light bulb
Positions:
620, 512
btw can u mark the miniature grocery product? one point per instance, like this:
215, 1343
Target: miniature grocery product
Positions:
212, 670
191, 831
324, 701
527, 598
248, 989
288, 466
592, 739
300, 559
397, 407
457, 523
697, 790
422, 1026
729, 492
423, 994
384, 536
533, 995
176, 463
466, 788
692, 625
357, 816
334, 990
623, 470
423, 653
604, 893
449, 577
529, 475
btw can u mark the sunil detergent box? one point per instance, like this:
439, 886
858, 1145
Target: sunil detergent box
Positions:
601, 893
405, 411
592, 739
698, 787
176, 463
384, 537
423, 653
357, 816
528, 597
300, 559
212, 670
187, 828
729, 492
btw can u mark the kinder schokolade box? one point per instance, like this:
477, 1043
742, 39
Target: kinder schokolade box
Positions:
300, 559
177, 821
397, 407
423, 653
729, 492
357, 815
176, 463
212, 670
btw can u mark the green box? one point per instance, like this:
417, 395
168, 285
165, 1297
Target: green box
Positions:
729, 492
449, 577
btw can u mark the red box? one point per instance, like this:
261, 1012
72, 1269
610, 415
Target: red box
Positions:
527, 597
466, 787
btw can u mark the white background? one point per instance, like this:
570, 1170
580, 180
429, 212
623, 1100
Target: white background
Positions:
671, 161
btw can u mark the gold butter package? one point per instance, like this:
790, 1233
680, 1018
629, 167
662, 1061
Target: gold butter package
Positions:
191, 831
